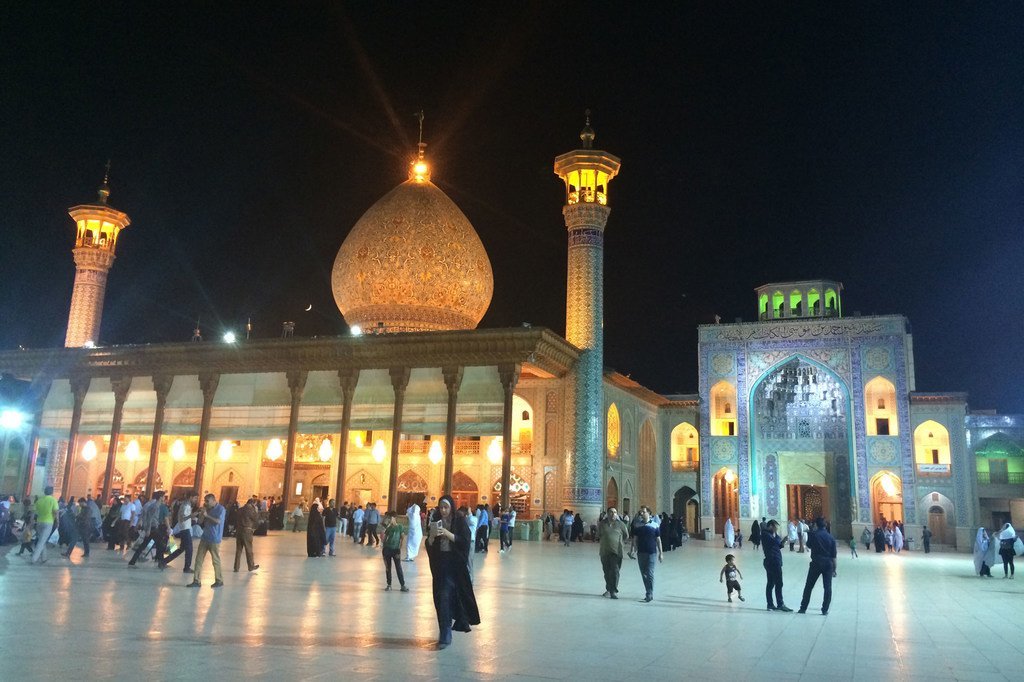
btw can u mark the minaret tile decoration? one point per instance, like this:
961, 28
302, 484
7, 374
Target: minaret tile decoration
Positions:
586, 172
98, 226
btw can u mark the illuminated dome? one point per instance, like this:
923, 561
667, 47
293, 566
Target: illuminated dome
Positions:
413, 262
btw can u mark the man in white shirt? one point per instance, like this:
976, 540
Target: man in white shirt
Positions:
511, 526
124, 522
357, 522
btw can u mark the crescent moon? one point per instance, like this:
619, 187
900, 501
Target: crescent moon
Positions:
309, 307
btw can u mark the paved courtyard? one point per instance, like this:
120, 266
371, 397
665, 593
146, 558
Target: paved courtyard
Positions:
892, 617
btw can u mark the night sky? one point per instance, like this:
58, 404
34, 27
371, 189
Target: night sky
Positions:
881, 146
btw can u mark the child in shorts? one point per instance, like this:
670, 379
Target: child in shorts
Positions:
731, 575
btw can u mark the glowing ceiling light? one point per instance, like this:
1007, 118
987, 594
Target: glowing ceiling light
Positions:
11, 420
729, 476
889, 485
89, 451
435, 453
132, 451
274, 449
359, 440
494, 450
178, 450
89, 344
326, 450
224, 450
379, 451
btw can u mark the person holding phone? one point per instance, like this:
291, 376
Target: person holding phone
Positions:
448, 547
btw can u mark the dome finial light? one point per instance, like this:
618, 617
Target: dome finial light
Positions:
419, 170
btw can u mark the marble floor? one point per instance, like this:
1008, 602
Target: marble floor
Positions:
892, 617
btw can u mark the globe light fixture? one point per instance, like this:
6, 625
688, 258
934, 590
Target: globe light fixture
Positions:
494, 451
729, 476
274, 449
224, 451
356, 330
435, 454
89, 451
379, 451
326, 450
229, 337
889, 485
178, 450
132, 450
359, 440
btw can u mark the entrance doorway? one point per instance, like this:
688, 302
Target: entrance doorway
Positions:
726, 494
887, 498
464, 491
807, 502
684, 506
612, 494
937, 523
228, 495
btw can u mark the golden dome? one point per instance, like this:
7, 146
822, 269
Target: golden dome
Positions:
413, 262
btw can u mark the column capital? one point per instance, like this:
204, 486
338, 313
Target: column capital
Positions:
208, 382
121, 385
400, 378
509, 375
297, 382
348, 378
453, 378
79, 387
162, 385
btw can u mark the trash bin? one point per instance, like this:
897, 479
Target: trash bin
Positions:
910, 544
524, 531
707, 534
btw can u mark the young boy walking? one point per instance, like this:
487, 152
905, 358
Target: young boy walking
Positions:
731, 575
394, 533
853, 548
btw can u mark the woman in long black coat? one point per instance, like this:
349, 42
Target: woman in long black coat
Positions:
755, 534
448, 547
316, 533
879, 540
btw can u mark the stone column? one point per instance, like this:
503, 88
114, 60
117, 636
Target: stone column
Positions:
208, 383
121, 386
40, 391
162, 385
296, 384
509, 375
452, 381
399, 382
348, 378
79, 387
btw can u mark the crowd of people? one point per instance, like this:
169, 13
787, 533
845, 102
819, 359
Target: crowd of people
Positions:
162, 530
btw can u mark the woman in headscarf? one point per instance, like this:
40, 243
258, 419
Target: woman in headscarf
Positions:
316, 533
755, 534
730, 533
1007, 539
879, 540
865, 537
981, 541
897, 538
415, 536
448, 547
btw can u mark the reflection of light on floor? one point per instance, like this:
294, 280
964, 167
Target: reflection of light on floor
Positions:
310, 635
63, 584
159, 611
895, 600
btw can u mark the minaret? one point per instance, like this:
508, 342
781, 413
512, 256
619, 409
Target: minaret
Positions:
98, 228
586, 173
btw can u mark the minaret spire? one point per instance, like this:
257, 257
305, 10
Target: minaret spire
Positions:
419, 170
105, 187
587, 135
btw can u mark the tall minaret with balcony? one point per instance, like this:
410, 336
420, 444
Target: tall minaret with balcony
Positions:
586, 172
98, 228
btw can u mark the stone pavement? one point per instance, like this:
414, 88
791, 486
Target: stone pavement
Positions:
893, 617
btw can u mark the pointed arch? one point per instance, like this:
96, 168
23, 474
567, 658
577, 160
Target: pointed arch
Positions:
411, 481
723, 409
646, 468
931, 449
881, 418
461, 481
886, 497
185, 477
613, 430
685, 447
612, 493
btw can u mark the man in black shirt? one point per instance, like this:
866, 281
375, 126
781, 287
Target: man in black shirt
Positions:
823, 563
331, 525
771, 545
643, 545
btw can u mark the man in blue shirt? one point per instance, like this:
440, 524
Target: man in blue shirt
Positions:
771, 545
823, 563
212, 521
644, 543
483, 529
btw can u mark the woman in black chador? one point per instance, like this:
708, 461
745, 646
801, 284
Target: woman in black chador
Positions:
316, 534
448, 548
